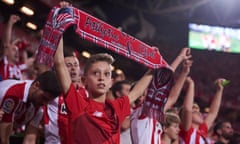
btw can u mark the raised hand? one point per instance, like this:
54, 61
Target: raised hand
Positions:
64, 4
13, 19
185, 53
219, 83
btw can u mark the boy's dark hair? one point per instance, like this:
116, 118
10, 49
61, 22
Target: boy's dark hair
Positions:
67, 53
96, 58
118, 87
49, 83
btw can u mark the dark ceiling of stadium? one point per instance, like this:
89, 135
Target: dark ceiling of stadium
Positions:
145, 19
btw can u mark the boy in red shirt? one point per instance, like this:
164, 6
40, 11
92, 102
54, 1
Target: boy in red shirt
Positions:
95, 119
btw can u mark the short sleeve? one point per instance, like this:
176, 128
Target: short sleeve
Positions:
122, 107
75, 101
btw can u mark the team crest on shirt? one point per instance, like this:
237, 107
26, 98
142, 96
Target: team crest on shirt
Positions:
63, 109
98, 114
8, 105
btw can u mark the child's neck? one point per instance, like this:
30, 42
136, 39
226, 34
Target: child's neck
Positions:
166, 139
195, 126
100, 99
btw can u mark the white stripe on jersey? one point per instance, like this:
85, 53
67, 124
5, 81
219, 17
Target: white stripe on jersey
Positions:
145, 130
193, 138
51, 129
37, 118
6, 84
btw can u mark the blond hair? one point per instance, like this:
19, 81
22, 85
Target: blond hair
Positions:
170, 118
96, 58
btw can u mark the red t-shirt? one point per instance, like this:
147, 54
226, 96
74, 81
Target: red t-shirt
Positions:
55, 117
93, 122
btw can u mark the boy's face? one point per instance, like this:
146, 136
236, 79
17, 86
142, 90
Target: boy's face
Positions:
172, 131
196, 114
98, 79
124, 91
13, 53
73, 67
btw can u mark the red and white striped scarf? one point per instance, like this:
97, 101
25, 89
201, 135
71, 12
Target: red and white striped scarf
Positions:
96, 31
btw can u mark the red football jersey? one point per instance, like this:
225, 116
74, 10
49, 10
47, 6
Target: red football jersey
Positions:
9, 71
13, 100
94, 122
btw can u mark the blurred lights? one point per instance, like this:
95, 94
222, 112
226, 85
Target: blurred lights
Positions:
206, 110
120, 28
119, 72
9, 2
86, 54
31, 26
112, 68
27, 11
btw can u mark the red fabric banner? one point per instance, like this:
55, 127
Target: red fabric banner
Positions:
96, 31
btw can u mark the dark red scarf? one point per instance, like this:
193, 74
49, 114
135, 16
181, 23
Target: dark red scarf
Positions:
96, 31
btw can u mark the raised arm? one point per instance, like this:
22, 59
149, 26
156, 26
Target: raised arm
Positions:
215, 104
140, 86
61, 69
7, 34
185, 54
186, 114
177, 87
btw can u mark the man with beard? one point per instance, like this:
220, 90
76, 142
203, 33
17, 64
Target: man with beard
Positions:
20, 101
224, 132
